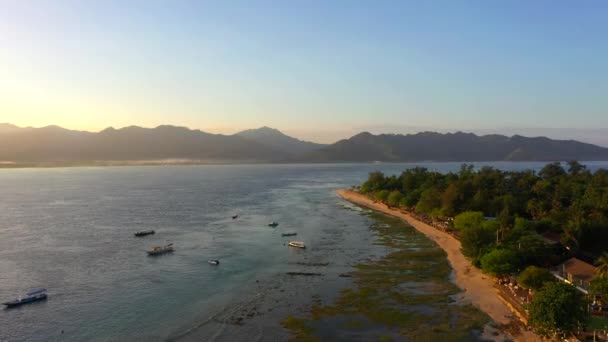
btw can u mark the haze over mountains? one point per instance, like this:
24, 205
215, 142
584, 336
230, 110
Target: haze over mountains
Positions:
53, 145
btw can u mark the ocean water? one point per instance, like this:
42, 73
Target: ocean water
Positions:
71, 230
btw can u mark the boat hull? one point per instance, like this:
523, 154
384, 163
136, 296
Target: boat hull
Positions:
156, 253
139, 234
16, 303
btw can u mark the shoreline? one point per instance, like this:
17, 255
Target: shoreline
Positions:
465, 275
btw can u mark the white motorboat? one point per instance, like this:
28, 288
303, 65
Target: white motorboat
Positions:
297, 244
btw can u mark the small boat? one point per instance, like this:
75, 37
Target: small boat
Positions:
289, 234
273, 224
235, 217
30, 297
145, 232
158, 250
214, 262
298, 244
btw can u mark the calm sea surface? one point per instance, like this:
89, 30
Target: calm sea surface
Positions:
71, 230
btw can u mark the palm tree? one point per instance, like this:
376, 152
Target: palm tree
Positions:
569, 239
602, 264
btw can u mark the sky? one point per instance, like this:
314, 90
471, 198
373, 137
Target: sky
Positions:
320, 70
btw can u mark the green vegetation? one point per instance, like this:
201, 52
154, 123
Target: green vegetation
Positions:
394, 198
602, 265
496, 210
599, 286
499, 262
534, 277
299, 328
476, 241
557, 310
504, 220
468, 219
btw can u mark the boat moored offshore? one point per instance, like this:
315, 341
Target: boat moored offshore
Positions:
145, 232
30, 297
158, 250
297, 244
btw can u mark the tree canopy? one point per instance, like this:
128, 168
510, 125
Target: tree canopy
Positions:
568, 200
475, 241
557, 309
468, 219
599, 286
500, 262
534, 277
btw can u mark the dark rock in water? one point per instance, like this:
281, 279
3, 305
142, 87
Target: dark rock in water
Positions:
303, 274
345, 275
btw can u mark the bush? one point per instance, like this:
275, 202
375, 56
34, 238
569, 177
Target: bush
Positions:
411, 198
394, 198
500, 262
534, 277
599, 286
475, 240
429, 200
382, 195
468, 219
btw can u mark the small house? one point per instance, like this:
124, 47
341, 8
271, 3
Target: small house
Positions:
576, 272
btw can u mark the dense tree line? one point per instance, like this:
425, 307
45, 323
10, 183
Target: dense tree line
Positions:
500, 217
570, 201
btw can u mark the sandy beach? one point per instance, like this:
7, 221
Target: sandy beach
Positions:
478, 288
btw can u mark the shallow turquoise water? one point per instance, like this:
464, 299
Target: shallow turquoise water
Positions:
70, 230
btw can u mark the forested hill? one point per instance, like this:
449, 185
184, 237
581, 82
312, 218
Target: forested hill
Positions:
58, 146
431, 146
276, 140
53, 145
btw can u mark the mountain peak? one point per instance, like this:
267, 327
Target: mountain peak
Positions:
7, 127
261, 130
277, 140
362, 135
54, 128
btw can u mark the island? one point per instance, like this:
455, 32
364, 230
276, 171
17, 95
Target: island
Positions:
517, 241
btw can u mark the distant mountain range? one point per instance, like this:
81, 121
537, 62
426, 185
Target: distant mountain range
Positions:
431, 146
53, 145
276, 140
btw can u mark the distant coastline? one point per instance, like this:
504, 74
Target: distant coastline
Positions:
478, 287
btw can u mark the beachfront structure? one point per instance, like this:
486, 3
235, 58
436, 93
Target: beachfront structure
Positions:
576, 272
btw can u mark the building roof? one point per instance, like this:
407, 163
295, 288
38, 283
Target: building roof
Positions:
579, 269
551, 238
